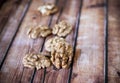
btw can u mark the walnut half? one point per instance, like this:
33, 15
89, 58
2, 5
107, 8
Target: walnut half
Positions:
36, 61
62, 29
61, 52
39, 31
47, 9
52, 42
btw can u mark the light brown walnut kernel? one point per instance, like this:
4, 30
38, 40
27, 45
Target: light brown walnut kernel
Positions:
51, 43
47, 9
39, 31
61, 52
33, 33
62, 29
62, 59
36, 61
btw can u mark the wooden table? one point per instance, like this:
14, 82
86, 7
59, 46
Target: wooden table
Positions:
95, 39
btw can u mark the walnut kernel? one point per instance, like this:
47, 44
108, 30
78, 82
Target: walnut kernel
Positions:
39, 31
47, 9
36, 61
62, 29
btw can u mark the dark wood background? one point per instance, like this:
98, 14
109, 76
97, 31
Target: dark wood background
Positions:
95, 39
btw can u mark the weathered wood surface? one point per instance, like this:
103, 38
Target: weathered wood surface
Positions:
9, 30
89, 56
87, 18
8, 10
114, 41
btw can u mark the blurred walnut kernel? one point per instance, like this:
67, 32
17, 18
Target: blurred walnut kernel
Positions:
47, 9
52, 42
36, 61
39, 31
62, 29
61, 52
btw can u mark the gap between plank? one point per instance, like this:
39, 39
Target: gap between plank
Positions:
75, 39
22, 17
106, 42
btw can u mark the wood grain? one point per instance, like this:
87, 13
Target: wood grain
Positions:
10, 28
7, 10
89, 56
88, 64
12, 68
114, 41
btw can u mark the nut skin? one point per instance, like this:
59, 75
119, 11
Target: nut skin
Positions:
62, 29
37, 61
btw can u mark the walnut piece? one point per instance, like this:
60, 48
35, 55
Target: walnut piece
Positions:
62, 29
51, 43
39, 31
47, 9
37, 61
61, 52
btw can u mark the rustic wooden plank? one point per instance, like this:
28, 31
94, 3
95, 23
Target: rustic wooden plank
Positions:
28, 74
7, 10
89, 56
60, 4
39, 76
10, 31
11, 28
41, 72
12, 68
114, 41
61, 76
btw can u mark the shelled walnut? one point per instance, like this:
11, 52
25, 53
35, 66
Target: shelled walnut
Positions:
51, 43
47, 9
62, 29
61, 52
62, 59
36, 61
39, 31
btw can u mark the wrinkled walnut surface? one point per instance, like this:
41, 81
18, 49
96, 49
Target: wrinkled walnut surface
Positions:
36, 61
39, 31
62, 29
51, 43
48, 9
61, 52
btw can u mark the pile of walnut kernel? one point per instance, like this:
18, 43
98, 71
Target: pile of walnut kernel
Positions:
60, 51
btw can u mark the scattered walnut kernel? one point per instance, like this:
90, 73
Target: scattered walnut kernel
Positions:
62, 29
62, 59
61, 52
48, 9
51, 43
36, 61
39, 31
